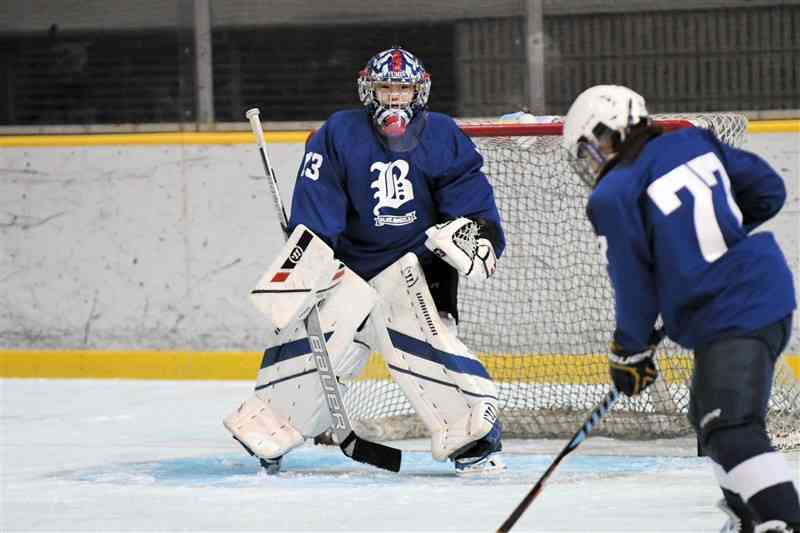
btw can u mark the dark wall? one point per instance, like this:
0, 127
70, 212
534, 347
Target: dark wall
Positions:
743, 58
141, 77
307, 74
681, 61
97, 78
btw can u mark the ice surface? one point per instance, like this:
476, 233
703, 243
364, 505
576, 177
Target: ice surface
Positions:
111, 455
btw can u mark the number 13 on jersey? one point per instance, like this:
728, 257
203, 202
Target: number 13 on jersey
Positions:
699, 176
311, 165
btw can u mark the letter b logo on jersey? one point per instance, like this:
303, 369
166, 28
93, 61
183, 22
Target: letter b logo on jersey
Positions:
393, 190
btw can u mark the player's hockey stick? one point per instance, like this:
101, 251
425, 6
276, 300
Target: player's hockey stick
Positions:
351, 444
591, 422
596, 415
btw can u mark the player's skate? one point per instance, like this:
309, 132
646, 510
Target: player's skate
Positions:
484, 456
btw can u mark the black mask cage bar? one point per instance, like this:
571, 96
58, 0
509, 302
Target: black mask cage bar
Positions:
587, 153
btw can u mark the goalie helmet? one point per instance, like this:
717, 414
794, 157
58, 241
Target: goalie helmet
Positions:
599, 119
394, 86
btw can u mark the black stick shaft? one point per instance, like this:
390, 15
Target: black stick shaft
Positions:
594, 418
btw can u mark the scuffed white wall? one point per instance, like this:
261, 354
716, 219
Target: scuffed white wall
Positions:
135, 247
782, 151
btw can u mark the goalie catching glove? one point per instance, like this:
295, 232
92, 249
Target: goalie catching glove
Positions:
634, 372
458, 242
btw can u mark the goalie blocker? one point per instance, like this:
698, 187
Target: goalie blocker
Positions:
445, 383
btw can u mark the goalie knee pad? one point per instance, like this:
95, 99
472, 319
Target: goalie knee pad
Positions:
445, 383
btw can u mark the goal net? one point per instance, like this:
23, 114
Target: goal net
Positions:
542, 323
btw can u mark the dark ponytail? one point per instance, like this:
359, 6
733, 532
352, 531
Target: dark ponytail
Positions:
638, 136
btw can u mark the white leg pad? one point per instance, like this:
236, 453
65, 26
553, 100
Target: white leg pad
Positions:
267, 434
445, 383
288, 382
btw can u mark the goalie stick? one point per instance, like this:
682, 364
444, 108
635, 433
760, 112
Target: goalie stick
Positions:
352, 445
596, 415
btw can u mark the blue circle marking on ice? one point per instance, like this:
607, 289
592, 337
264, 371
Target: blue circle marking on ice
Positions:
323, 466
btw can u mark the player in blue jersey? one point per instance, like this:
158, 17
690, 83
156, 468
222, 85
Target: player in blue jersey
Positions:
675, 214
374, 179
397, 194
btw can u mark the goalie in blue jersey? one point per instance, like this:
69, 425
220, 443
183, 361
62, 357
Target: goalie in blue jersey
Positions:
390, 206
675, 214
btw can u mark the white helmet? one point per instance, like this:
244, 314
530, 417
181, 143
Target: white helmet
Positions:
594, 117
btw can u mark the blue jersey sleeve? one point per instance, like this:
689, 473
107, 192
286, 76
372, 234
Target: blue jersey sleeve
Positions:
464, 191
619, 225
319, 201
758, 190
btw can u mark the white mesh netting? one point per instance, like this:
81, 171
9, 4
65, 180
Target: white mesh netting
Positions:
542, 323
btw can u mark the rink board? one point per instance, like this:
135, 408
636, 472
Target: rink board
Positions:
187, 365
216, 315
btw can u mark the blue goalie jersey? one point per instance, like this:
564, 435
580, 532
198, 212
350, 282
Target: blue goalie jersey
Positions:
372, 204
676, 227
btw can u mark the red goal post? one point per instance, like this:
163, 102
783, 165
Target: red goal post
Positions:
497, 129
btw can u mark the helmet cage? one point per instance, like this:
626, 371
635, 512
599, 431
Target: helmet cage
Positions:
587, 161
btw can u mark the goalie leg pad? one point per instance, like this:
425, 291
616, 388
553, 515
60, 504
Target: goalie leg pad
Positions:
345, 312
262, 431
288, 380
303, 273
446, 384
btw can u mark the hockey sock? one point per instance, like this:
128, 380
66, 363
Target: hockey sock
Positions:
756, 472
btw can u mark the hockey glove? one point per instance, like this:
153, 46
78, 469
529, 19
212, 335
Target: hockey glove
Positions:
634, 372
459, 244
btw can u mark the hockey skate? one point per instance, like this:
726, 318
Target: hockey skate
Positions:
482, 456
486, 464
271, 466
